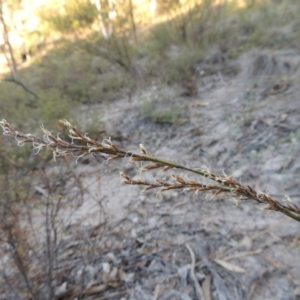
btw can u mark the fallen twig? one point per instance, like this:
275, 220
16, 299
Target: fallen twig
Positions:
197, 286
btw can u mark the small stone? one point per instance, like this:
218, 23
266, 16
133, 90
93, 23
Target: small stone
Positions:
133, 233
59, 291
135, 219
246, 243
112, 257
283, 117
88, 273
106, 267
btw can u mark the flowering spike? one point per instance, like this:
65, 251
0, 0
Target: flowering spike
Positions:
66, 123
143, 149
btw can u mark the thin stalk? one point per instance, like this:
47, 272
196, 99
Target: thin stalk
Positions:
88, 146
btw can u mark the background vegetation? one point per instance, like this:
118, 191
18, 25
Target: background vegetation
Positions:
68, 60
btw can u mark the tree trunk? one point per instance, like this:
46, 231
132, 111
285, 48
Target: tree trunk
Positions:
153, 7
102, 26
133, 23
11, 61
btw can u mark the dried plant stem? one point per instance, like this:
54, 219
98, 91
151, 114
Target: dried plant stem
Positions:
85, 146
197, 286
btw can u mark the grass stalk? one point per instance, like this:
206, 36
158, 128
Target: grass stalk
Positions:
82, 145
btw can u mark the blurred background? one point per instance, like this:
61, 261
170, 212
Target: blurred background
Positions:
211, 83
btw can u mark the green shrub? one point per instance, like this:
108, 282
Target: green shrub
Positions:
160, 107
77, 14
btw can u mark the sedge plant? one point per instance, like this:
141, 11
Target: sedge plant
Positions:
82, 145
